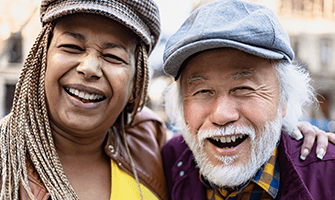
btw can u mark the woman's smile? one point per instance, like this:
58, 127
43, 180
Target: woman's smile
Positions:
84, 97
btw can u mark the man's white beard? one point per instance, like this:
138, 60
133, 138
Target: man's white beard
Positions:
227, 174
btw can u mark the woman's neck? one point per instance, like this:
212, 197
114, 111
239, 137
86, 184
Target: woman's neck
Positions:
74, 144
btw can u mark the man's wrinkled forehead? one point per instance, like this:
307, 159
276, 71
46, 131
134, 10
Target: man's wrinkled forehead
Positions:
240, 74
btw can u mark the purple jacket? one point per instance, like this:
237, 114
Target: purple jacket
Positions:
309, 179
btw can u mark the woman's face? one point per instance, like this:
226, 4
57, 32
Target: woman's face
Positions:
90, 71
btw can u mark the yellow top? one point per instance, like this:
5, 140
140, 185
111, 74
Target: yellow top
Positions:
124, 186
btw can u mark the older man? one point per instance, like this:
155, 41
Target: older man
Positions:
237, 92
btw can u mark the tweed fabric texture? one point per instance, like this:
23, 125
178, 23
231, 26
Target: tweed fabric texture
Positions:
140, 16
264, 185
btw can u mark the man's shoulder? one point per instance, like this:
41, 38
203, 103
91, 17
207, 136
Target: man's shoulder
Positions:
180, 169
292, 148
308, 179
175, 146
176, 151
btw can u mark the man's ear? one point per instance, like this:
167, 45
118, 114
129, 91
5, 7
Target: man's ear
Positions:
283, 108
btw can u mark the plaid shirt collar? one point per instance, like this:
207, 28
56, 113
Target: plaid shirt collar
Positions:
268, 178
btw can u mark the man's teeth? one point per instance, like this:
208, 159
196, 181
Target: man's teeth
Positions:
227, 139
85, 95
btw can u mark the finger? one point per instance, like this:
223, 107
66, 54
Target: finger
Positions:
322, 144
309, 139
297, 134
331, 137
304, 153
305, 127
307, 146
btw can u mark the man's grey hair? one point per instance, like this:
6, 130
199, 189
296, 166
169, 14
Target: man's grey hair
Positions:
295, 92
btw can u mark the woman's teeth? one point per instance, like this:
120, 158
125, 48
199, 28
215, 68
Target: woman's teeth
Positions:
84, 95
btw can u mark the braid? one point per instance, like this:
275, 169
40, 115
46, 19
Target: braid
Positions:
26, 132
142, 80
145, 79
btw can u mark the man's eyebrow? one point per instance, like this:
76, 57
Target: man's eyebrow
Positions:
77, 36
245, 73
197, 78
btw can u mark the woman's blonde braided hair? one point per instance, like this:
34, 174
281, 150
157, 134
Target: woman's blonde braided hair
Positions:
26, 132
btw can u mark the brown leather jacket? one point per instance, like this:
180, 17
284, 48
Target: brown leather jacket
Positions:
145, 139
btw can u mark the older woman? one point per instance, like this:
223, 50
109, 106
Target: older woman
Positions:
77, 98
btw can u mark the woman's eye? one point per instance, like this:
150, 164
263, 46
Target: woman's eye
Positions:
72, 48
114, 59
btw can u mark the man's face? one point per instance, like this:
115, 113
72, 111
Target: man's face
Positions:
232, 114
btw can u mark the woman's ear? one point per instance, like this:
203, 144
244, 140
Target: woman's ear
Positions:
130, 104
132, 96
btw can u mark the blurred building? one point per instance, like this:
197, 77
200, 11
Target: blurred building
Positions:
19, 25
311, 27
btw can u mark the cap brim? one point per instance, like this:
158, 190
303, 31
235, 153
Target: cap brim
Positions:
173, 63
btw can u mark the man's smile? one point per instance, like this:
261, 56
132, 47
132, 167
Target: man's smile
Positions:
229, 141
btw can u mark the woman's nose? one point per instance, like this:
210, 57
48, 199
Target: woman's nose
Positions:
90, 67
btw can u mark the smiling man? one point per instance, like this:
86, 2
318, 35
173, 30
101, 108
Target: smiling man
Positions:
236, 94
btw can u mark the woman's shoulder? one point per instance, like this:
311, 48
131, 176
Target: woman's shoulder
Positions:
149, 123
146, 114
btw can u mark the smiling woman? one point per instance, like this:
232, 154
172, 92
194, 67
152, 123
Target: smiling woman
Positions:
95, 57
77, 129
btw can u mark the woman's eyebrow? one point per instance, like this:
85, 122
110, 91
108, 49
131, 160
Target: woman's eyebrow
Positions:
111, 45
77, 36
82, 38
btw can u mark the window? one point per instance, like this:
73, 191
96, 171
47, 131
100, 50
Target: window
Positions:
324, 53
10, 88
15, 48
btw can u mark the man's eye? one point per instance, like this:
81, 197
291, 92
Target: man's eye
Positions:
114, 59
243, 89
203, 92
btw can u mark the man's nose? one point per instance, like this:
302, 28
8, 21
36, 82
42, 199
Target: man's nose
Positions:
90, 67
224, 111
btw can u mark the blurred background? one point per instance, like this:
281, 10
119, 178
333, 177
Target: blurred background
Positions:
309, 23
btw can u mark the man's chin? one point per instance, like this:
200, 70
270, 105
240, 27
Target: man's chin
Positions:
228, 171
223, 171
227, 175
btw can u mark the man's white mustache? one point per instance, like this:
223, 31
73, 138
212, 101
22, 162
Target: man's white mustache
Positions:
223, 132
